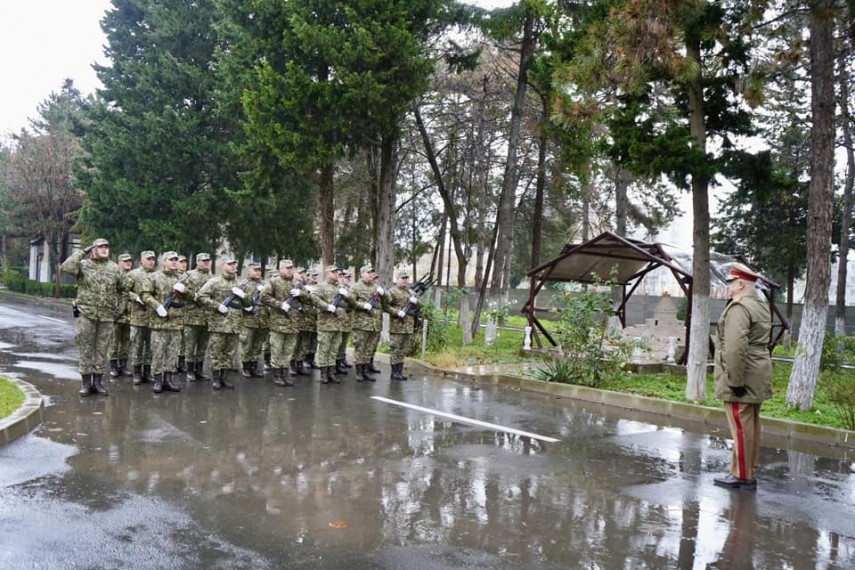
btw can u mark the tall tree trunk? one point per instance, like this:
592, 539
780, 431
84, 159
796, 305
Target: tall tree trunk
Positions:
507, 198
844, 76
622, 180
699, 331
586, 206
326, 204
802, 386
482, 179
540, 186
385, 237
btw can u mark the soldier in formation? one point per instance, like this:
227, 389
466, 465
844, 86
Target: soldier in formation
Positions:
308, 325
400, 302
284, 299
367, 299
120, 347
196, 320
254, 325
140, 318
331, 301
162, 294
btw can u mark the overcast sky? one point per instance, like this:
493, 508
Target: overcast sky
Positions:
42, 42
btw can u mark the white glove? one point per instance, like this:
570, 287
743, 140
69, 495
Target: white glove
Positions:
238, 292
285, 306
380, 290
331, 308
140, 301
295, 292
414, 300
223, 309
401, 314
249, 309
310, 288
343, 292
367, 306
161, 311
179, 287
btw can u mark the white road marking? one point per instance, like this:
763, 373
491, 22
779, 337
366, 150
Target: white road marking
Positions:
52, 319
464, 420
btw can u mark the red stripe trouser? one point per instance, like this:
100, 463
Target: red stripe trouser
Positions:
744, 422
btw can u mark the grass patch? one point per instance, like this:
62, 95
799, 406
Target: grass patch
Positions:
11, 397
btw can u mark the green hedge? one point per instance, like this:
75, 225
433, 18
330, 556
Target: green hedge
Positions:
15, 280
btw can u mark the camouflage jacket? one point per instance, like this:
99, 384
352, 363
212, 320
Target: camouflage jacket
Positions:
255, 315
360, 294
277, 291
215, 291
136, 281
124, 306
157, 289
99, 285
322, 297
193, 313
308, 321
395, 300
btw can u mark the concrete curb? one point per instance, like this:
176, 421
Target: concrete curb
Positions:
26, 418
703, 415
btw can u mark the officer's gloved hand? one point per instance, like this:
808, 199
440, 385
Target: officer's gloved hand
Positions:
343, 292
295, 292
161, 311
414, 300
367, 306
238, 292
331, 308
738, 391
285, 306
223, 309
140, 301
179, 287
88, 248
401, 314
380, 290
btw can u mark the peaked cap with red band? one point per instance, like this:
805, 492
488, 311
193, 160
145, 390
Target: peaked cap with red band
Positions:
739, 271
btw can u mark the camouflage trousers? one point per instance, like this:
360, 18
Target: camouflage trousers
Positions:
307, 344
251, 343
399, 347
140, 348
93, 340
121, 345
164, 350
342, 347
223, 348
328, 343
195, 342
364, 345
282, 347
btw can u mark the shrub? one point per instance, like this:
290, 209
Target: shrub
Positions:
840, 392
16, 281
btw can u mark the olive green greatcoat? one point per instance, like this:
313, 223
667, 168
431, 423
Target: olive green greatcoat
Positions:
742, 351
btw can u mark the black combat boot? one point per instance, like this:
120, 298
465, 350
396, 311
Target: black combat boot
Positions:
327, 375
267, 365
401, 375
169, 384
310, 361
218, 376
292, 369
300, 370
201, 375
246, 372
396, 372
191, 371
97, 384
371, 369
158, 383
86, 387
114, 369
182, 364
339, 369
138, 377
360, 375
146, 372
345, 364
277, 377
123, 367
224, 373
253, 370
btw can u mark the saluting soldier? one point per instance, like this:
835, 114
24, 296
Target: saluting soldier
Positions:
224, 300
196, 319
330, 300
284, 300
120, 347
309, 325
254, 325
99, 286
135, 283
367, 300
400, 302
166, 325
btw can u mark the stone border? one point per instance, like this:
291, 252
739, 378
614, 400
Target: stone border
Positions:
26, 418
704, 415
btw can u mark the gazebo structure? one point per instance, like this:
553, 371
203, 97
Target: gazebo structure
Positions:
626, 262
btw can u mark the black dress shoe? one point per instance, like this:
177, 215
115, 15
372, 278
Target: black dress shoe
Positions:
732, 482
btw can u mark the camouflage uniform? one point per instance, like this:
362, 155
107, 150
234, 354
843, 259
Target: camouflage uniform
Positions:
140, 318
99, 287
120, 347
329, 324
341, 364
401, 324
367, 321
196, 321
182, 361
166, 323
254, 326
278, 296
308, 329
224, 322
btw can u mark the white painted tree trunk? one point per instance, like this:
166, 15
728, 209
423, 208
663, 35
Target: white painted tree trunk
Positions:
699, 338
802, 386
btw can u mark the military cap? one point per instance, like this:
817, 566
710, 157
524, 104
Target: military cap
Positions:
170, 255
314, 272
286, 263
740, 271
332, 268
125, 257
229, 259
403, 273
100, 241
203, 257
253, 265
299, 270
182, 258
366, 268
146, 254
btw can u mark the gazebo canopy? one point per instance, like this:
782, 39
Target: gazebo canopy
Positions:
610, 258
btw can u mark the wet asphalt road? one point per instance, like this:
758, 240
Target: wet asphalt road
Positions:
326, 477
